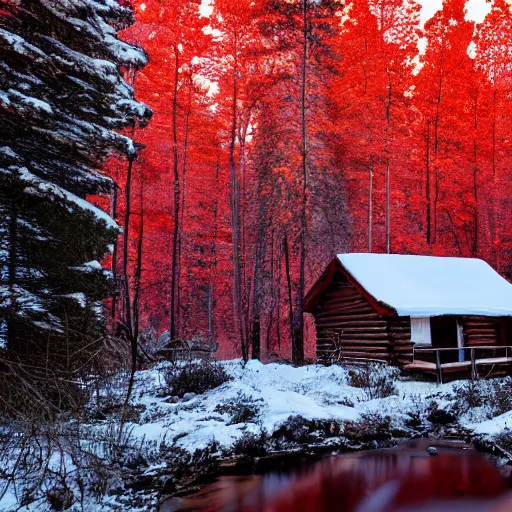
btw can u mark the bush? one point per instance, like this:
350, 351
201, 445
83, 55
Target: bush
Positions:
196, 376
370, 427
242, 410
376, 380
301, 430
469, 395
251, 445
495, 395
500, 396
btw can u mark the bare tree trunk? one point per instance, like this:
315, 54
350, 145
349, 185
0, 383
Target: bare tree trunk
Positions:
475, 182
494, 202
388, 209
388, 172
126, 249
11, 271
278, 297
239, 317
428, 193
259, 259
288, 281
298, 318
436, 145
370, 208
138, 273
127, 300
272, 293
183, 207
211, 325
114, 255
177, 191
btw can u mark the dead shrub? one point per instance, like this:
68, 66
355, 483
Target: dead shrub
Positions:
195, 376
251, 445
243, 409
370, 427
376, 380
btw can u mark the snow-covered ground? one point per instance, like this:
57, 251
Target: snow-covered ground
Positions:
275, 392
314, 392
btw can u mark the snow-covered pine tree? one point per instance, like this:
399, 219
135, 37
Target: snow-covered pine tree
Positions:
62, 102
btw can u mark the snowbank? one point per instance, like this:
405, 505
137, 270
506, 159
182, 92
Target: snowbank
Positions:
313, 392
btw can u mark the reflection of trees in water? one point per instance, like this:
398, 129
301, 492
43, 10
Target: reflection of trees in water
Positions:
380, 481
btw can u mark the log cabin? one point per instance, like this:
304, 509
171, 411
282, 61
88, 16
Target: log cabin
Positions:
433, 315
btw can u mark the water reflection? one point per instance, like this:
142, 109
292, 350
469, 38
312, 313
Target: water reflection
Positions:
402, 480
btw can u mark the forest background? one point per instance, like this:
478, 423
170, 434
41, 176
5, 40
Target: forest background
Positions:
285, 132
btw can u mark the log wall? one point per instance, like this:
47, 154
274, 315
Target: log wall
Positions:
481, 330
348, 327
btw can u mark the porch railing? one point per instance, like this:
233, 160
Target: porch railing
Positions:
474, 362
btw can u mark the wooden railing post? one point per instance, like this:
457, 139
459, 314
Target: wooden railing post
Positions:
438, 368
473, 364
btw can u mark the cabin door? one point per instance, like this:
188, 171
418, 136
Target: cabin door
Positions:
460, 342
445, 334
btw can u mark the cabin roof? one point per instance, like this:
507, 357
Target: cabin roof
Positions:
420, 286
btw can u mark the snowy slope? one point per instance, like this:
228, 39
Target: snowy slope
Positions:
420, 286
314, 392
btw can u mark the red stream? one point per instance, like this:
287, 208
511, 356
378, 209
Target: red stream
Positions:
404, 479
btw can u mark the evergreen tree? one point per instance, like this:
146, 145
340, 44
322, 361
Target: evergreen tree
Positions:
62, 100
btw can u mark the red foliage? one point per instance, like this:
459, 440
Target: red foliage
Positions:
405, 152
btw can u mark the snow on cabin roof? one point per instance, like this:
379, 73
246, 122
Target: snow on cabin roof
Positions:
420, 286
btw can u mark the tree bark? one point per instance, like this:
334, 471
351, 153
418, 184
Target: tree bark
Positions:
126, 249
370, 208
298, 317
239, 318
475, 178
428, 192
288, 281
11, 271
177, 192
436, 144
114, 256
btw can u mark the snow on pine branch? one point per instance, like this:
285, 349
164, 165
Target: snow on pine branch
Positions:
63, 100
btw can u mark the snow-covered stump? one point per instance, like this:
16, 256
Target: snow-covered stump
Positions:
62, 102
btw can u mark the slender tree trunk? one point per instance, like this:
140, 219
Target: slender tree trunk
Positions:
114, 256
388, 170
127, 301
494, 202
215, 259
183, 206
239, 318
279, 272
177, 191
475, 180
370, 208
211, 325
388, 209
436, 145
138, 273
11, 274
298, 320
126, 249
258, 275
428, 192
288, 281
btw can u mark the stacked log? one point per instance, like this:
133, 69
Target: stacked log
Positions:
348, 326
400, 338
480, 331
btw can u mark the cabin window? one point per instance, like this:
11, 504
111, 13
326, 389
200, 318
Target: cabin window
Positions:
420, 331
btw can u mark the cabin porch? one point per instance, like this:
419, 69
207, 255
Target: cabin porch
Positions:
470, 362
